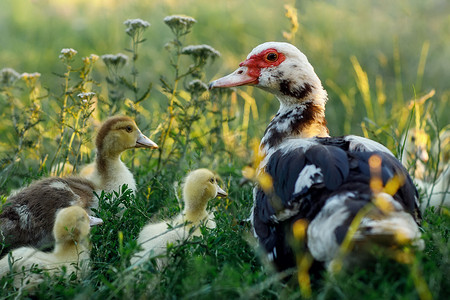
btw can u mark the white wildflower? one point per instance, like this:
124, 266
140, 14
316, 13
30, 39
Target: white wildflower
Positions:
90, 59
26, 76
115, 60
179, 23
8, 76
200, 51
134, 25
30, 78
86, 95
179, 19
67, 53
197, 85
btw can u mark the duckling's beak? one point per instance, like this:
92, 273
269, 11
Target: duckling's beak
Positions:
422, 154
93, 221
145, 142
220, 192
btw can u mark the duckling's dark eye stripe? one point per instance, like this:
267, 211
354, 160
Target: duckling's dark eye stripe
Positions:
127, 128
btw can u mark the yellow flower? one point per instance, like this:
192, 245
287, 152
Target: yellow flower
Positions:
299, 229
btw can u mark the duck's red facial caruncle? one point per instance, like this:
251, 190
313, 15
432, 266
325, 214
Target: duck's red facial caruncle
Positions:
265, 59
249, 70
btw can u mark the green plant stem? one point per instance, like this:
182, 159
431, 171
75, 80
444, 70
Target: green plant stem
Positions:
170, 108
62, 115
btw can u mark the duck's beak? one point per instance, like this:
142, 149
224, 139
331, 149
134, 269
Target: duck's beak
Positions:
93, 221
145, 142
220, 192
242, 76
422, 154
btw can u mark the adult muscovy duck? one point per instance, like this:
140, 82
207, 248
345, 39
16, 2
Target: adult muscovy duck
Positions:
323, 181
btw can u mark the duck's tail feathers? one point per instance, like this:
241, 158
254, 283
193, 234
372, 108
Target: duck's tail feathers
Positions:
396, 229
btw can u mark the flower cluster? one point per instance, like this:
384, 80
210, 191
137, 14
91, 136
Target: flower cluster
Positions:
200, 51
90, 59
27, 76
85, 97
134, 25
115, 60
8, 76
197, 86
67, 54
30, 78
180, 24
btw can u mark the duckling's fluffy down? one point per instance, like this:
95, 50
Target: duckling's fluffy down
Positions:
71, 251
154, 238
200, 187
28, 216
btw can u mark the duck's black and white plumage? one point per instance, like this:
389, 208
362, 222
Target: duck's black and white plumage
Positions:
323, 180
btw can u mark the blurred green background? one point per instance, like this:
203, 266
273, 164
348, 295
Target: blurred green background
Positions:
386, 37
375, 59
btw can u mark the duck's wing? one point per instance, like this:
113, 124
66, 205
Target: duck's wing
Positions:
307, 178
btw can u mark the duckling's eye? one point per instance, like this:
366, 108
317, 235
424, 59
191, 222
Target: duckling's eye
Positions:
129, 128
272, 56
212, 180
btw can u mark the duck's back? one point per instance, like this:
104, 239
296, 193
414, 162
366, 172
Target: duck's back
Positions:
324, 182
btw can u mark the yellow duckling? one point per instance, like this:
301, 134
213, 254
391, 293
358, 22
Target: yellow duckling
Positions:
28, 215
415, 156
108, 172
72, 248
200, 186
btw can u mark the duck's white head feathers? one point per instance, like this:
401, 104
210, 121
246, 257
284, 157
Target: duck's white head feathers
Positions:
281, 69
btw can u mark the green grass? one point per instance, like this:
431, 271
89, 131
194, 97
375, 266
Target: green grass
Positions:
374, 59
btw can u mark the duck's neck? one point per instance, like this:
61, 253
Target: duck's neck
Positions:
113, 173
105, 162
303, 120
194, 212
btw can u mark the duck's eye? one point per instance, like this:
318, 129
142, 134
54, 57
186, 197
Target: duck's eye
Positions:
272, 56
212, 180
129, 128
